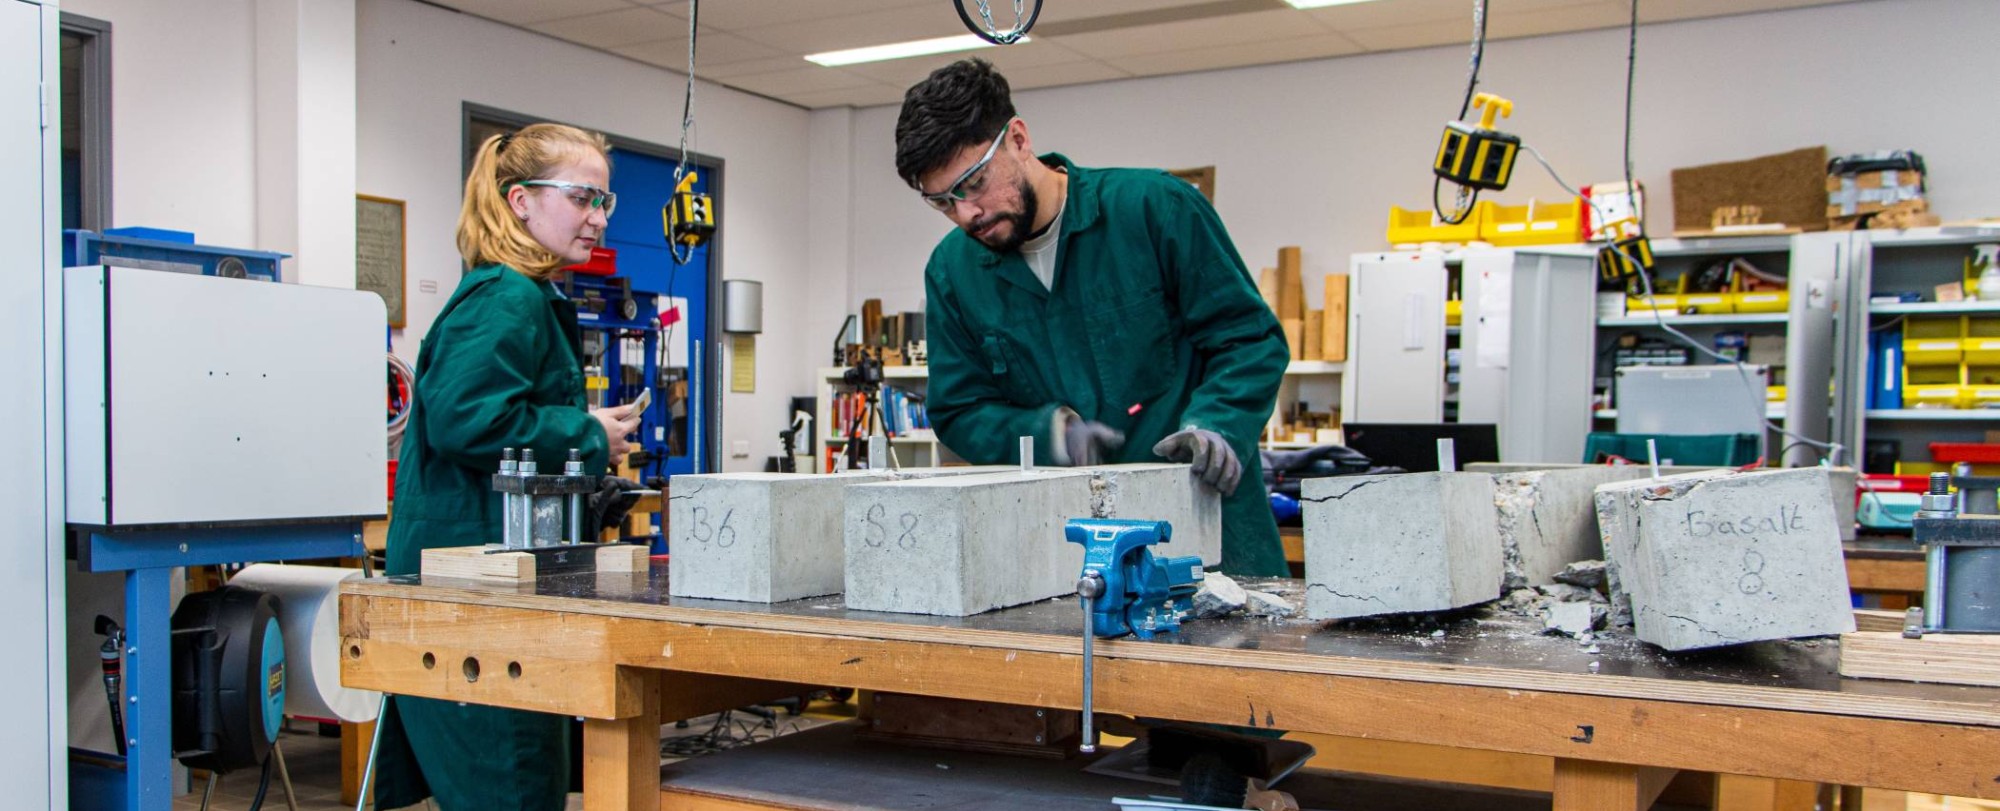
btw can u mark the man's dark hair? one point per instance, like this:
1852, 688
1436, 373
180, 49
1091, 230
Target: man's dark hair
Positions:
960, 104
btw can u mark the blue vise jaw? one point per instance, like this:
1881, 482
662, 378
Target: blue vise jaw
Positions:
1134, 591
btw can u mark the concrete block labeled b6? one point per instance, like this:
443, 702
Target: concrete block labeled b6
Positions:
757, 537
1399, 543
958, 545
1159, 491
1723, 558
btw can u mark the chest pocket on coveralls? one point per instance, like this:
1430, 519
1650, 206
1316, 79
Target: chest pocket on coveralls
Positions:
1010, 371
1132, 347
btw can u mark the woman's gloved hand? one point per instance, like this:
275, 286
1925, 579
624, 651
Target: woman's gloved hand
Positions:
613, 499
1089, 443
1214, 461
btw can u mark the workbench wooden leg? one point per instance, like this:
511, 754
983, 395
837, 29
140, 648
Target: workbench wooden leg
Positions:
354, 740
1584, 785
1736, 792
621, 759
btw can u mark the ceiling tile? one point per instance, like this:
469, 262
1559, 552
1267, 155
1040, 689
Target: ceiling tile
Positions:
1007, 58
715, 50
1058, 75
1232, 56
1457, 13
808, 78
1232, 30
529, 12
858, 30
1690, 9
868, 96
616, 28
1560, 20
723, 70
740, 14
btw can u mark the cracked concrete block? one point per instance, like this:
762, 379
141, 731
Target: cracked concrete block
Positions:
1844, 481
959, 545
1547, 520
757, 537
1162, 492
903, 473
1399, 543
1722, 558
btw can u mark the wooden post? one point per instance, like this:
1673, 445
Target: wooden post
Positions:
1584, 785
1735, 792
354, 740
621, 759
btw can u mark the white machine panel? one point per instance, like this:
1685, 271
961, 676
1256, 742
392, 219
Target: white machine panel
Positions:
196, 399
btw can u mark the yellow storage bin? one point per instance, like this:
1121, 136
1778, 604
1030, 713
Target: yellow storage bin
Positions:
1982, 351
1454, 312
1537, 223
1775, 301
1933, 351
1641, 306
1933, 396
1422, 225
1705, 303
1921, 468
1980, 397
1774, 394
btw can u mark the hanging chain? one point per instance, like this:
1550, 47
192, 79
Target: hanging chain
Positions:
1023, 20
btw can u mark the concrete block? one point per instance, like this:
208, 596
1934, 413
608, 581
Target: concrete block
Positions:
1722, 558
1844, 481
1162, 492
959, 545
757, 537
1547, 520
1219, 596
903, 473
1399, 543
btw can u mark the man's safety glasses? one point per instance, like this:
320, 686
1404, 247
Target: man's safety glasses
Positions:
957, 191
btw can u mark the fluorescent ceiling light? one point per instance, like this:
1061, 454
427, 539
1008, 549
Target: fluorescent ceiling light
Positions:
900, 50
1322, 3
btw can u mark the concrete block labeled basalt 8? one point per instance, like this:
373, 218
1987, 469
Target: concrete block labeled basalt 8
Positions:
959, 545
1722, 558
757, 537
1162, 492
1399, 543
1548, 520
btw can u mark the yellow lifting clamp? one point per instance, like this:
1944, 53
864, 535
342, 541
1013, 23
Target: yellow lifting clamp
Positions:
1629, 254
1479, 157
689, 218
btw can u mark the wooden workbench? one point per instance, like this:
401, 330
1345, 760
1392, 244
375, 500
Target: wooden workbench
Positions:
614, 649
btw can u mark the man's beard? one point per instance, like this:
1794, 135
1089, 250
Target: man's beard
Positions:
1023, 222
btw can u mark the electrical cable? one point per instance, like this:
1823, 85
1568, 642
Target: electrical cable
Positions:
1466, 199
687, 124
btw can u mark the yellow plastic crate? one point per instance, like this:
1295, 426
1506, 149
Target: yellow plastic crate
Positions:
1980, 397
1982, 351
1775, 301
1774, 394
1670, 303
1454, 312
1933, 396
1537, 223
1706, 303
1422, 225
1933, 352
1921, 468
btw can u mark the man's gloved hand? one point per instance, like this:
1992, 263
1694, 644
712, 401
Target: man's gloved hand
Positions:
613, 499
1088, 442
1214, 461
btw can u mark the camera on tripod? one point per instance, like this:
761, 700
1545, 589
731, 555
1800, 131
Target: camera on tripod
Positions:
865, 375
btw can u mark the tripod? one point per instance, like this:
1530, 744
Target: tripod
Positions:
866, 378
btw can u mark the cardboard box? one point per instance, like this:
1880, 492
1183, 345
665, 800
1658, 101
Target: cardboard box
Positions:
1333, 327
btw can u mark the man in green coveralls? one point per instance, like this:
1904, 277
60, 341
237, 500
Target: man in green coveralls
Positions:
1102, 311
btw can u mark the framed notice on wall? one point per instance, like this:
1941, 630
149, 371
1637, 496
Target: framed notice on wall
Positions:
378, 251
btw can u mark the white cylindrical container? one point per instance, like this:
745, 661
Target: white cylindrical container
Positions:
309, 614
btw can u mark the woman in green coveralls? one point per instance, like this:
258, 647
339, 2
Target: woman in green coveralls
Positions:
500, 369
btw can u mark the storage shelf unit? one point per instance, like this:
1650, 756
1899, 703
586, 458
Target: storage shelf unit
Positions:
916, 449
1725, 320
1884, 263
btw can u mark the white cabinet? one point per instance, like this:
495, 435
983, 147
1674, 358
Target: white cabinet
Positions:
1395, 338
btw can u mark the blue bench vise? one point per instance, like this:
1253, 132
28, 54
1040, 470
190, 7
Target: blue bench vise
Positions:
1126, 589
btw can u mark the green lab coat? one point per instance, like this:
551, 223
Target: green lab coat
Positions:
499, 369
1151, 309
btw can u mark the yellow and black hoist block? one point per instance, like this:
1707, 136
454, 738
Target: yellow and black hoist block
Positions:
1479, 157
690, 216
1629, 254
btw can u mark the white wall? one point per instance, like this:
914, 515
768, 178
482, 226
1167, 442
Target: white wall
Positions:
1314, 153
183, 125
417, 65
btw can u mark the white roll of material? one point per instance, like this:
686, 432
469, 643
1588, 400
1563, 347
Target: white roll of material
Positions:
309, 615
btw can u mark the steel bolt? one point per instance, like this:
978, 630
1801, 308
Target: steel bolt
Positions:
184, 549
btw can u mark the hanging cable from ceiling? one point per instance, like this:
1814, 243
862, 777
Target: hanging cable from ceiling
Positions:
986, 29
1474, 157
690, 215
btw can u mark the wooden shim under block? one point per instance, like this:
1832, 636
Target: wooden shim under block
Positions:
1940, 658
1869, 619
472, 562
624, 557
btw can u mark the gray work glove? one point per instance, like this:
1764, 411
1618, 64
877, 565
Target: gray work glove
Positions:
1087, 442
608, 506
1214, 461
